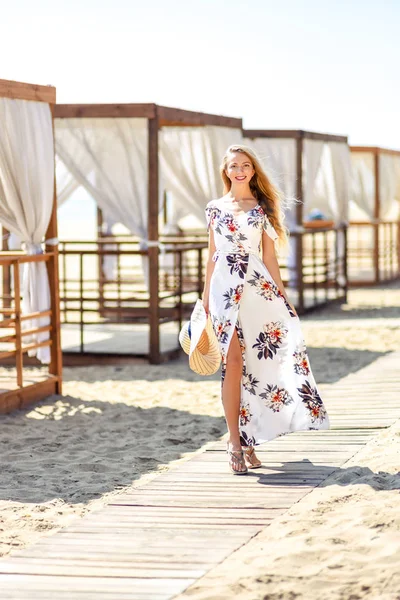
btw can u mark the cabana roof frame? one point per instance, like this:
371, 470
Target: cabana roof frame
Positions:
158, 116
167, 116
27, 91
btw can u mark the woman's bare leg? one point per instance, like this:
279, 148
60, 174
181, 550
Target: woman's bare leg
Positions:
231, 396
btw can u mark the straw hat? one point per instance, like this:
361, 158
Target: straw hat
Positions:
199, 341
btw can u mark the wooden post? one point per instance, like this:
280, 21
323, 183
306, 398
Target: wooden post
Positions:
165, 208
55, 366
100, 259
19, 365
299, 223
152, 234
376, 216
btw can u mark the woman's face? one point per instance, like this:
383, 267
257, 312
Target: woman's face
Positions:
239, 168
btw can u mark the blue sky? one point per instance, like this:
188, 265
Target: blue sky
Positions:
327, 65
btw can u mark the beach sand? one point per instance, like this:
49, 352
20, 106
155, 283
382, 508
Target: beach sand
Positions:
116, 426
339, 542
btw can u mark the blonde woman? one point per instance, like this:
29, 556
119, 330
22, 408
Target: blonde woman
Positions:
267, 385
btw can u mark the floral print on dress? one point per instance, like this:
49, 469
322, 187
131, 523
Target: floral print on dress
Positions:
278, 393
238, 264
250, 383
266, 289
301, 364
276, 397
313, 402
244, 414
233, 295
221, 328
269, 340
247, 440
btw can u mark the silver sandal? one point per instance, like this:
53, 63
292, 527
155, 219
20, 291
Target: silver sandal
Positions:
238, 457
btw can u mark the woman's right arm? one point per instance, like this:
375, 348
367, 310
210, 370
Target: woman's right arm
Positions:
210, 265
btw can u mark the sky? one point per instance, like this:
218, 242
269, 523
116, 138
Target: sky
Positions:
326, 65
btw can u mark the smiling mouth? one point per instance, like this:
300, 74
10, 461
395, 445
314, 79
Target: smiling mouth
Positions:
241, 178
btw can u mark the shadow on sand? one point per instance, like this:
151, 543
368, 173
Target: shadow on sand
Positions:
78, 450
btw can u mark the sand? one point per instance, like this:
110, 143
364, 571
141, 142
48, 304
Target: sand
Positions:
116, 426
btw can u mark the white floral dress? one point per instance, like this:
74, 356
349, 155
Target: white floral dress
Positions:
278, 391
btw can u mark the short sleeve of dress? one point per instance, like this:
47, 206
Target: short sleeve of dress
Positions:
267, 227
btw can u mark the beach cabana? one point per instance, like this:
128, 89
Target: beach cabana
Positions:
129, 158
29, 309
374, 232
313, 168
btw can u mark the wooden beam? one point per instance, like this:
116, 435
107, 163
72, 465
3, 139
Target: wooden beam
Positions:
375, 150
293, 134
17, 399
106, 111
27, 91
152, 234
176, 117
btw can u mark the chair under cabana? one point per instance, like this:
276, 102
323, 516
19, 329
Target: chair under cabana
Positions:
313, 168
374, 231
126, 157
29, 308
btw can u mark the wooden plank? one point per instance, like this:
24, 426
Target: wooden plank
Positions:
17, 90
17, 399
70, 568
98, 585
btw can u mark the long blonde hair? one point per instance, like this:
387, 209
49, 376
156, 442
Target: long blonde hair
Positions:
266, 194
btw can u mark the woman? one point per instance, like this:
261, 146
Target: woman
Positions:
267, 385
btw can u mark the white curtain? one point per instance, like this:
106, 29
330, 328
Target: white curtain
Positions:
66, 182
115, 150
312, 156
342, 174
190, 158
26, 197
389, 183
327, 168
363, 184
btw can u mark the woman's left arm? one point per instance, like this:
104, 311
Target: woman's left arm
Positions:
271, 262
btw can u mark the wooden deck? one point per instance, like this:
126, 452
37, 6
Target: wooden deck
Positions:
156, 540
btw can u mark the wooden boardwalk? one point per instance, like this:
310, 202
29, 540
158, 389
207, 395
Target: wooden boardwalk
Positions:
156, 540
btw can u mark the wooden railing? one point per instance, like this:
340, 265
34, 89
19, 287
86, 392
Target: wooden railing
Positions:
373, 252
320, 272
91, 293
17, 390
